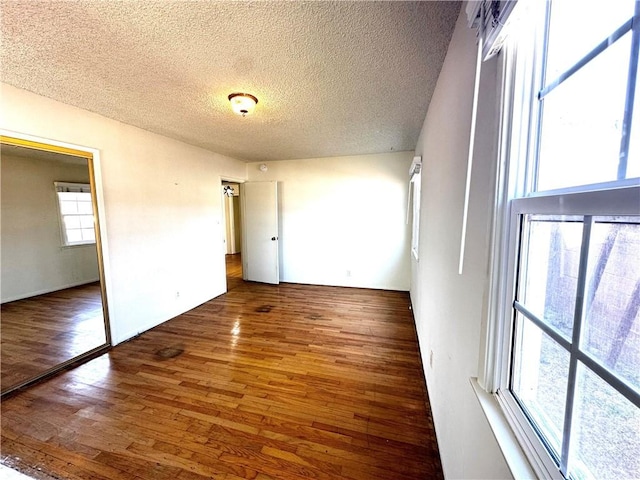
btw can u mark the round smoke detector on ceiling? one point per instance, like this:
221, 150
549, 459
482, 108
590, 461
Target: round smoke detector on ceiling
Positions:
263, 168
242, 103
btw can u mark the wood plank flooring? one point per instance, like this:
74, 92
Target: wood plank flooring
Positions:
41, 332
264, 382
234, 271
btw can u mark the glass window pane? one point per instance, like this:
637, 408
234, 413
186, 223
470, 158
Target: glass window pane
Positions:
85, 207
582, 122
68, 196
633, 161
550, 271
88, 234
67, 207
71, 222
86, 221
577, 27
611, 329
605, 438
74, 236
539, 381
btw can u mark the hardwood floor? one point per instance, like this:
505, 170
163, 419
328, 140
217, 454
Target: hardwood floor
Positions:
44, 331
264, 382
234, 271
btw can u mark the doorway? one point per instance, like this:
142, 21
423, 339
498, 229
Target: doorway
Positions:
251, 231
232, 232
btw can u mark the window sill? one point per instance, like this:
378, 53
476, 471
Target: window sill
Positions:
507, 441
78, 245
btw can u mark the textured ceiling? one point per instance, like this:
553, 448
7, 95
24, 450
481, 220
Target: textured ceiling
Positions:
332, 78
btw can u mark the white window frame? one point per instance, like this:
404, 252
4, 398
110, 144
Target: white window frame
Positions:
620, 201
76, 188
518, 124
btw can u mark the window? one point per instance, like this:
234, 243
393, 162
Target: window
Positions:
76, 213
414, 191
568, 367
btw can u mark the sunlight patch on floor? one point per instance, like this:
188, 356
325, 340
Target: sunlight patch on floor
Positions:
10, 474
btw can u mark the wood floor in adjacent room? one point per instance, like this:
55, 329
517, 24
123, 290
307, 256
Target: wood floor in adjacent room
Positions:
264, 382
43, 331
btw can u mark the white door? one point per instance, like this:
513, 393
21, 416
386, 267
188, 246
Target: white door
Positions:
260, 232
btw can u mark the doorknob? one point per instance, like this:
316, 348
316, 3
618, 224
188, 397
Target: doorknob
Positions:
273, 239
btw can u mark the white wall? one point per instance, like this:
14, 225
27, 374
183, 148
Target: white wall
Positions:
162, 213
342, 219
448, 307
33, 259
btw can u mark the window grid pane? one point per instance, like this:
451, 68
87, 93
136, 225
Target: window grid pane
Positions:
76, 210
606, 288
605, 438
541, 367
578, 147
611, 325
633, 158
589, 25
549, 273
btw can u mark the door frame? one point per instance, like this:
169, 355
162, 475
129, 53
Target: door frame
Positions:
223, 222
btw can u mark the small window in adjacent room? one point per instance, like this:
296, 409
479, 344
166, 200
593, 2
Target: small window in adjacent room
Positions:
76, 213
416, 180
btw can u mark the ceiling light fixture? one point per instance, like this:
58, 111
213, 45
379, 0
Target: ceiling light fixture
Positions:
242, 103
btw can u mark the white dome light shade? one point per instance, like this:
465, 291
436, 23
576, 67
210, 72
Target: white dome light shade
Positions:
242, 103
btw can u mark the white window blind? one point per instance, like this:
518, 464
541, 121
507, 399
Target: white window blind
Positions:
489, 17
415, 174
